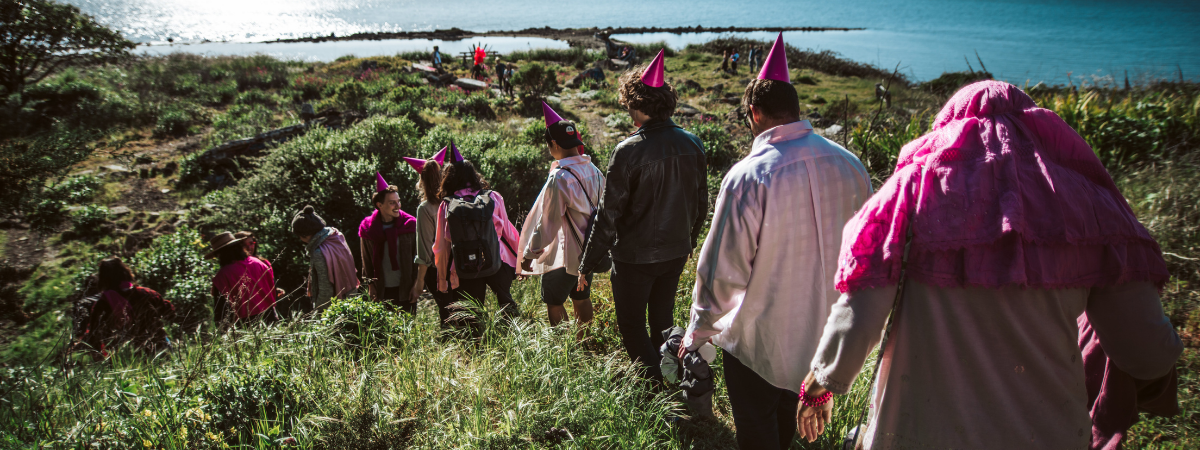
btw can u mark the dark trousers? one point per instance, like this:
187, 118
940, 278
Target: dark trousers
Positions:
396, 298
765, 416
638, 288
501, 285
442, 299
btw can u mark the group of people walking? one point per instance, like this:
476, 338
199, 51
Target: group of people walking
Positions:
999, 238
731, 58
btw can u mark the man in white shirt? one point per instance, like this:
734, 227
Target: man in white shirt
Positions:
553, 235
764, 279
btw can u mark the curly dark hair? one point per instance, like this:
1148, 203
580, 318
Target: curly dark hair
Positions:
379, 196
776, 99
460, 175
430, 181
656, 102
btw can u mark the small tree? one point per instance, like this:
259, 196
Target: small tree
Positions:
39, 37
535, 80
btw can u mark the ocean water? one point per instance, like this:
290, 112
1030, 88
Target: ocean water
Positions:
1018, 40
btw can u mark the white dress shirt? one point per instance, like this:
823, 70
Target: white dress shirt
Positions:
764, 279
546, 237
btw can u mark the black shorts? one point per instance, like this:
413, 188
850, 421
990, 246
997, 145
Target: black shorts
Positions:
558, 285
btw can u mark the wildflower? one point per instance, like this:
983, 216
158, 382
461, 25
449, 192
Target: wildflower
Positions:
146, 443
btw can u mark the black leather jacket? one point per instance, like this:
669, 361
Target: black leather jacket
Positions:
655, 200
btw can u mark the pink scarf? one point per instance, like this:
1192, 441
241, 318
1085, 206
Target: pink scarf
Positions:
340, 263
999, 192
371, 229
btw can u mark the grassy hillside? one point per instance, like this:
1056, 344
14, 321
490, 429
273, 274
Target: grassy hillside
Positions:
359, 376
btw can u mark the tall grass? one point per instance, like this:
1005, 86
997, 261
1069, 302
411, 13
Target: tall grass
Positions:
362, 377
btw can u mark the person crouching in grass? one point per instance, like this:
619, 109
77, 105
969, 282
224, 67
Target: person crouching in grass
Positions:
554, 232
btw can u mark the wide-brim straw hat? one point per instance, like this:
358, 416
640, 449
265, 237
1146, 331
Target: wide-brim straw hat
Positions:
221, 241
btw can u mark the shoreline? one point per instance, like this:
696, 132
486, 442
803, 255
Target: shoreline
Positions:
575, 37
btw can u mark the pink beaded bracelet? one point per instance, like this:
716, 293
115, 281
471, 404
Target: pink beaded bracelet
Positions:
813, 402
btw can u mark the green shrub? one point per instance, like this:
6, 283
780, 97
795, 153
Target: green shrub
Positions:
174, 266
89, 218
176, 120
349, 95
534, 133
75, 190
242, 121
475, 106
718, 147
806, 79
242, 398
536, 80
217, 92
309, 86
45, 214
359, 321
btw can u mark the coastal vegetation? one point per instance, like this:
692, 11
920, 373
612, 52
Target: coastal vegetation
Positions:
143, 185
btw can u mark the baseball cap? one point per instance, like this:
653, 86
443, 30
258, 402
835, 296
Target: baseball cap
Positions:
565, 133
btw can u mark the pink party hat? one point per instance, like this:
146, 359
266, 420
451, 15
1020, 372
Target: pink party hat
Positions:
380, 185
551, 116
455, 156
440, 156
417, 164
655, 75
776, 68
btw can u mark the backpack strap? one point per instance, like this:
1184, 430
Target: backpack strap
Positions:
575, 231
586, 194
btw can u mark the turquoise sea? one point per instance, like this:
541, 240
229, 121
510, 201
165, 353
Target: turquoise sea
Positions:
1094, 41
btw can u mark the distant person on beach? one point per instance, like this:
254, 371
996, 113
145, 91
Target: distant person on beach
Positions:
733, 61
387, 245
331, 271
474, 249
754, 292
126, 313
428, 184
508, 76
756, 58
437, 58
244, 287
555, 230
998, 230
654, 206
500, 69
725, 61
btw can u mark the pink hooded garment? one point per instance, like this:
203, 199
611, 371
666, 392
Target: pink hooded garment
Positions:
340, 262
999, 192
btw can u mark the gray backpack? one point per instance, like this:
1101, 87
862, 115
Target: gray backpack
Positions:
474, 244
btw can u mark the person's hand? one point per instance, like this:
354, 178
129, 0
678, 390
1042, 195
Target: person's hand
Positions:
683, 350
415, 293
810, 422
582, 283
